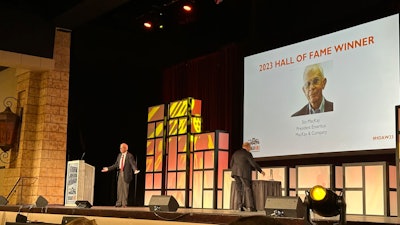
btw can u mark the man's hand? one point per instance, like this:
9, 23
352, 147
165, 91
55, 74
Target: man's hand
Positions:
105, 169
263, 173
137, 171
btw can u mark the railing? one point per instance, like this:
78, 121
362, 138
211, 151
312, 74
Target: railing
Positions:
21, 184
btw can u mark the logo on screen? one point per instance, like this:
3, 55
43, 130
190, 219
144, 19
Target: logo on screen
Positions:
255, 144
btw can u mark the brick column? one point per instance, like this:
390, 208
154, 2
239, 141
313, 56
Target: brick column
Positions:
41, 157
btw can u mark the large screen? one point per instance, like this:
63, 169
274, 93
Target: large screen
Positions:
350, 76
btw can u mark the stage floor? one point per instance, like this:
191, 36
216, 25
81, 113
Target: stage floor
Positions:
185, 215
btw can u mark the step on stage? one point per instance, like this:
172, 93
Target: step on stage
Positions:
105, 215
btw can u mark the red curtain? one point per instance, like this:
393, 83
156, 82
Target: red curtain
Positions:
217, 80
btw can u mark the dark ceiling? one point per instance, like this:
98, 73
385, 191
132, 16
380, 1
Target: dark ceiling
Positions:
71, 14
231, 20
118, 14
209, 26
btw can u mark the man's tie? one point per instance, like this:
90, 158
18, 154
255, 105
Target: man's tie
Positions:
122, 162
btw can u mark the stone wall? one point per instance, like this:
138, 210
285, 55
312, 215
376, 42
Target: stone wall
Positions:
37, 166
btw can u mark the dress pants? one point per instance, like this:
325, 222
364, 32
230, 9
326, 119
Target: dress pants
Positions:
244, 193
122, 190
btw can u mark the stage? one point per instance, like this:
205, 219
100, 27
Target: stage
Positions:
105, 215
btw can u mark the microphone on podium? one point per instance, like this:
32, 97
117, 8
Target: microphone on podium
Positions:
83, 155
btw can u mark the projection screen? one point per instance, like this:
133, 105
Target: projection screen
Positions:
361, 67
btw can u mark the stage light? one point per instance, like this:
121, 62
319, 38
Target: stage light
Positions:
324, 202
151, 25
154, 21
148, 24
187, 7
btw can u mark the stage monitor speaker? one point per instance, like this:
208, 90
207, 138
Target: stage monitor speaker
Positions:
67, 219
41, 202
3, 200
163, 203
83, 204
21, 218
285, 206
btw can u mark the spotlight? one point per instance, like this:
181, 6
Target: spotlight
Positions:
187, 7
154, 21
326, 203
147, 24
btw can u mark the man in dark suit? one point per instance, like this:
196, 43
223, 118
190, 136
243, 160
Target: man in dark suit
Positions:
126, 166
314, 84
242, 164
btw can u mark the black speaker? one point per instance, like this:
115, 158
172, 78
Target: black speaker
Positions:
285, 206
41, 202
3, 200
163, 203
67, 219
83, 204
21, 218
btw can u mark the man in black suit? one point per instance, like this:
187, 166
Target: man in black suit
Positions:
126, 166
242, 164
314, 84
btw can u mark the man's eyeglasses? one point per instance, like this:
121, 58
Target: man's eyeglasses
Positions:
314, 82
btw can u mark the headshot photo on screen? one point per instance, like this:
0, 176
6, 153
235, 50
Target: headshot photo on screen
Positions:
314, 82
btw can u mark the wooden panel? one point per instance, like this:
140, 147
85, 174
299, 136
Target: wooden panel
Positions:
198, 189
338, 177
311, 175
354, 202
365, 188
227, 183
375, 201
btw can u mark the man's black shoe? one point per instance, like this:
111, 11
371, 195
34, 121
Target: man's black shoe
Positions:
253, 210
241, 209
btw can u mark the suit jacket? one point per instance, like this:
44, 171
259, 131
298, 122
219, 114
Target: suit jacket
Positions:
129, 167
306, 111
242, 163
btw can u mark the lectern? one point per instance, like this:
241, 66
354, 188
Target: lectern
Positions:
79, 183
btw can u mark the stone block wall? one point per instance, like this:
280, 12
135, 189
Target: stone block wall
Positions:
37, 166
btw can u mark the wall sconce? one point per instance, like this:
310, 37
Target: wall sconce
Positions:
326, 203
9, 126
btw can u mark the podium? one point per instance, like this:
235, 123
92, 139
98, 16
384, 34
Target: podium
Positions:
79, 183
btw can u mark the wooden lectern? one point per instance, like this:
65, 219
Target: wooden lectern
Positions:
79, 183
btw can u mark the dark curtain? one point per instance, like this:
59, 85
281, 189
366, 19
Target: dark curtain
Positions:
217, 80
